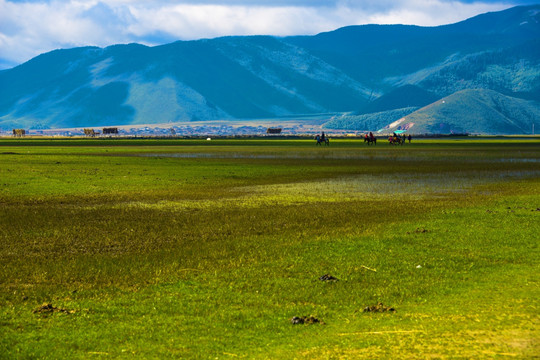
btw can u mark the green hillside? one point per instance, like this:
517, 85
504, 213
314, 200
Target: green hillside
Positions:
473, 111
368, 122
512, 71
402, 97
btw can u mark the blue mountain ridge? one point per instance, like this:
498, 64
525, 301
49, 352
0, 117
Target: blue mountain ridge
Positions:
356, 69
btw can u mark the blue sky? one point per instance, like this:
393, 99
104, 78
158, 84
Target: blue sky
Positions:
31, 27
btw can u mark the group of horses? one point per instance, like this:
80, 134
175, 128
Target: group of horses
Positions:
370, 140
396, 140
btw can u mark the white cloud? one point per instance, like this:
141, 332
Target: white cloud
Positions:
432, 13
190, 21
29, 28
197, 21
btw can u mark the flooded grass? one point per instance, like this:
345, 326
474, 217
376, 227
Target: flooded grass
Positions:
144, 252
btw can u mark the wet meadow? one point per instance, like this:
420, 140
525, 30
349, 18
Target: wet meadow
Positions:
269, 249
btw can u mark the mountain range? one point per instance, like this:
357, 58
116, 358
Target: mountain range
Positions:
371, 73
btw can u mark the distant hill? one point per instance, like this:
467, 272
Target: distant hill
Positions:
368, 122
402, 97
473, 111
356, 69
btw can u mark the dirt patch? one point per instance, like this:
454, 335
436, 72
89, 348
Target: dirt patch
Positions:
48, 308
379, 308
305, 320
328, 277
419, 231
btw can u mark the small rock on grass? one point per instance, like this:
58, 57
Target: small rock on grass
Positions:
328, 277
419, 231
296, 320
379, 308
48, 308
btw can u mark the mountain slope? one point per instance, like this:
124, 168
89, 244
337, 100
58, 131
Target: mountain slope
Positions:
472, 111
401, 97
513, 71
367, 122
370, 53
223, 78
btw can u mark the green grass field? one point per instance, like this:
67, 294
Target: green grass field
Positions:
207, 249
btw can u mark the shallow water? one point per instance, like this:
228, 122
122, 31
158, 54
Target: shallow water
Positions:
519, 160
338, 156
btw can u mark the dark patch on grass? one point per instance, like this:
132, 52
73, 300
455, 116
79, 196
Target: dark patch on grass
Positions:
419, 231
48, 308
380, 307
297, 320
328, 277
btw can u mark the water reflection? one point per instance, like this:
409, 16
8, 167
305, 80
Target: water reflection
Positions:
336, 156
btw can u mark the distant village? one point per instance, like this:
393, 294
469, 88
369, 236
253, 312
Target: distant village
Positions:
178, 131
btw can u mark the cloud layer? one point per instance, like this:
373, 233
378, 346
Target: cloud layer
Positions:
31, 27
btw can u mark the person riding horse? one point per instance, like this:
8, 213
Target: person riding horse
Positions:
322, 139
370, 139
395, 139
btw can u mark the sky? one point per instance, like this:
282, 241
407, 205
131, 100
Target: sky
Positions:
31, 27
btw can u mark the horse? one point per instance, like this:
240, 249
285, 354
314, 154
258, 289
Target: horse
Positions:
326, 141
320, 140
370, 140
395, 140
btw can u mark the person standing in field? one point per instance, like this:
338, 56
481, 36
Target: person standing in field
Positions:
410, 137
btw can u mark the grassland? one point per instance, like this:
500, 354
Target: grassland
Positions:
198, 250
